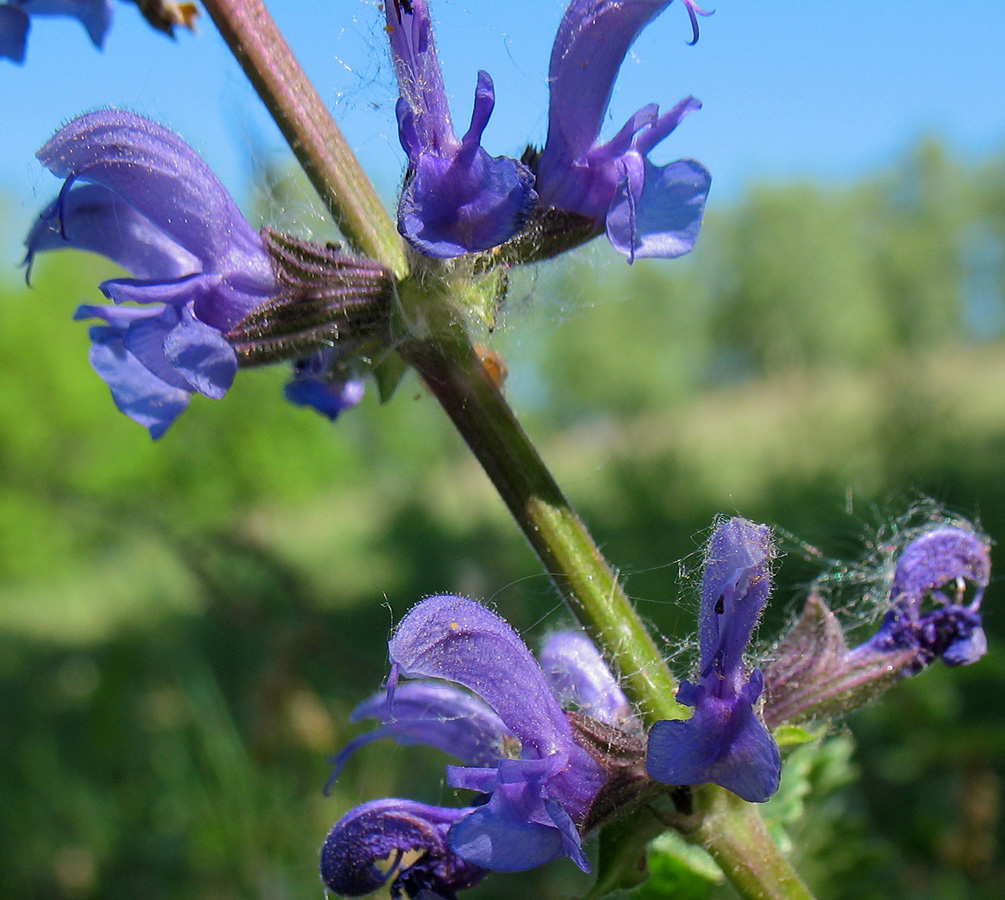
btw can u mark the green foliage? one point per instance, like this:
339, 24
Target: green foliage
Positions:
185, 625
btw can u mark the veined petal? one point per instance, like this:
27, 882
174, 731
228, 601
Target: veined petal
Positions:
420, 80
353, 858
91, 217
579, 676
436, 714
158, 174
939, 559
664, 220
459, 640
138, 392
201, 355
13, 33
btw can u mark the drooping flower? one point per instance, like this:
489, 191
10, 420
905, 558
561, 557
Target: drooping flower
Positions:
456, 199
724, 741
321, 382
484, 700
210, 292
647, 210
929, 617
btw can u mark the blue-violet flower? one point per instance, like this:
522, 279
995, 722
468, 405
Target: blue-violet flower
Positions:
456, 197
724, 742
647, 210
490, 705
138, 194
94, 15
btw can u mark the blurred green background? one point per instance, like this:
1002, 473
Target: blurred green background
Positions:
185, 626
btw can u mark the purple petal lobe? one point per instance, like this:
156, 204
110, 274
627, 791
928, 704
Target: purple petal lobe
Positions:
91, 217
201, 355
724, 743
457, 199
648, 210
13, 33
138, 392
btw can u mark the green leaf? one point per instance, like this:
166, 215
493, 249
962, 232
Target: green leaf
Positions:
679, 870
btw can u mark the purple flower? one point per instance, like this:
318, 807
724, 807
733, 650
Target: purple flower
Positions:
647, 210
138, 194
491, 707
322, 382
456, 198
354, 857
937, 566
814, 673
94, 15
724, 742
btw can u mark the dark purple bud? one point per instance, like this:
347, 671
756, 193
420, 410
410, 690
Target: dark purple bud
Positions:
724, 742
581, 679
365, 850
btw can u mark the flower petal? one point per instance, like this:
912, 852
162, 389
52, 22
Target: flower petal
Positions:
665, 219
723, 743
163, 178
94, 15
590, 46
13, 33
735, 587
201, 355
93, 218
459, 640
138, 392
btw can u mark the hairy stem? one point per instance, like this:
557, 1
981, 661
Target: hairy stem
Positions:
457, 378
733, 832
308, 127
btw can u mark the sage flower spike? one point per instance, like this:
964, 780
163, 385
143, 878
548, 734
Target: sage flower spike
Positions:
647, 210
724, 741
456, 198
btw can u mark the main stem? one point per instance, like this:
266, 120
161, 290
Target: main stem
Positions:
455, 374
318, 143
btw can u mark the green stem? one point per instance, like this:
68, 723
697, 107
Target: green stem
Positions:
457, 378
733, 832
318, 143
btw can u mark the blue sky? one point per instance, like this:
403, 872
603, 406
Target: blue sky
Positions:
790, 89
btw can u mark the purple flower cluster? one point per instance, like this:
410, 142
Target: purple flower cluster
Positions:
483, 699
457, 199
724, 742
